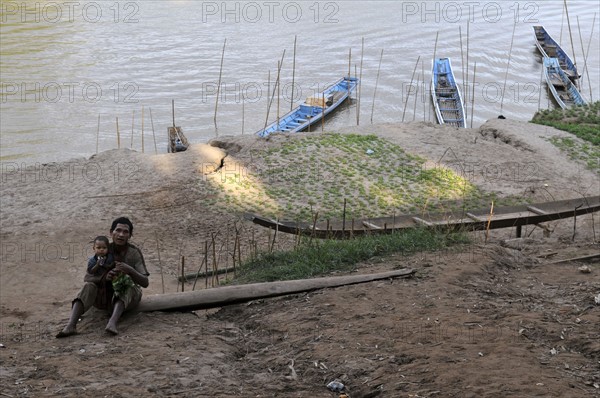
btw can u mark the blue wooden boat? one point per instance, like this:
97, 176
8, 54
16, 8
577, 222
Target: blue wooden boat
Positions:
447, 100
563, 89
313, 109
550, 48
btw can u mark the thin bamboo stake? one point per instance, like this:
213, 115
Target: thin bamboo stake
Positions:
278, 92
467, 62
507, 65
410, 86
132, 120
570, 33
431, 80
473, 96
153, 133
416, 98
376, 83
162, 278
344, 219
243, 112
182, 274
293, 74
487, 229
219, 83
215, 264
118, 135
584, 57
588, 52
462, 60
323, 115
98, 134
423, 95
362, 51
541, 82
206, 264
198, 274
349, 62
279, 65
142, 128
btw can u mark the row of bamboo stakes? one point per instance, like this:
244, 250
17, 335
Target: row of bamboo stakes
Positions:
465, 77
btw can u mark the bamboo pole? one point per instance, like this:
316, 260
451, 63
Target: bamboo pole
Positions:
362, 51
570, 33
293, 74
142, 128
507, 66
278, 92
206, 264
416, 98
153, 133
588, 52
279, 65
323, 114
541, 82
472, 96
424, 93
219, 83
243, 113
132, 121
584, 56
376, 83
98, 134
182, 274
487, 229
467, 62
118, 135
350, 62
462, 60
431, 80
410, 86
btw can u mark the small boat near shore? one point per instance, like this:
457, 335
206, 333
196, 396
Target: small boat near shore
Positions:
550, 48
447, 99
313, 109
475, 220
562, 88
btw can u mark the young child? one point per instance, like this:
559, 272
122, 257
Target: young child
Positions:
102, 260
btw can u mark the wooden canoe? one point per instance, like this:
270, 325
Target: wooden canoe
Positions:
313, 109
447, 99
502, 217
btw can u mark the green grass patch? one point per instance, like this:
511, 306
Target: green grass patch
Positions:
316, 173
581, 121
320, 257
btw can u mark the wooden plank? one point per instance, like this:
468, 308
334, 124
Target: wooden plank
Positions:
474, 217
218, 297
370, 225
422, 222
535, 210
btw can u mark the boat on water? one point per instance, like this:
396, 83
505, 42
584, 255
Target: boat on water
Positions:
550, 48
460, 220
562, 88
447, 100
313, 109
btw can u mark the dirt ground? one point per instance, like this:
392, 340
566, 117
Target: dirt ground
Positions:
492, 319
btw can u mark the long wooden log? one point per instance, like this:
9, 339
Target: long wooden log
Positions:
218, 297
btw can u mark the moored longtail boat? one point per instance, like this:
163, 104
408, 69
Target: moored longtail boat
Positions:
447, 99
313, 109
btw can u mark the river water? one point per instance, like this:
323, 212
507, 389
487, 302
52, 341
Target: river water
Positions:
71, 69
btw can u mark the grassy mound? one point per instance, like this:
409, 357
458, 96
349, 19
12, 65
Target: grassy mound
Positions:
317, 173
581, 121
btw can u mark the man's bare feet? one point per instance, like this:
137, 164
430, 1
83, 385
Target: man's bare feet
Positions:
112, 329
66, 332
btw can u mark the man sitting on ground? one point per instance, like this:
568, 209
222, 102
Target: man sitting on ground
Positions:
98, 289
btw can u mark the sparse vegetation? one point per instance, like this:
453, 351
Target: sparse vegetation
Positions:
316, 173
581, 121
316, 258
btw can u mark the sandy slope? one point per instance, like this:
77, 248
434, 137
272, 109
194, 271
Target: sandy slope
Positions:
480, 321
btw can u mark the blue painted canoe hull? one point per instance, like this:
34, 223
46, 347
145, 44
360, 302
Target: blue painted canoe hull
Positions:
313, 109
550, 48
447, 99
562, 88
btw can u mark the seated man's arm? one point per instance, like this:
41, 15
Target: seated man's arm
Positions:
135, 268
